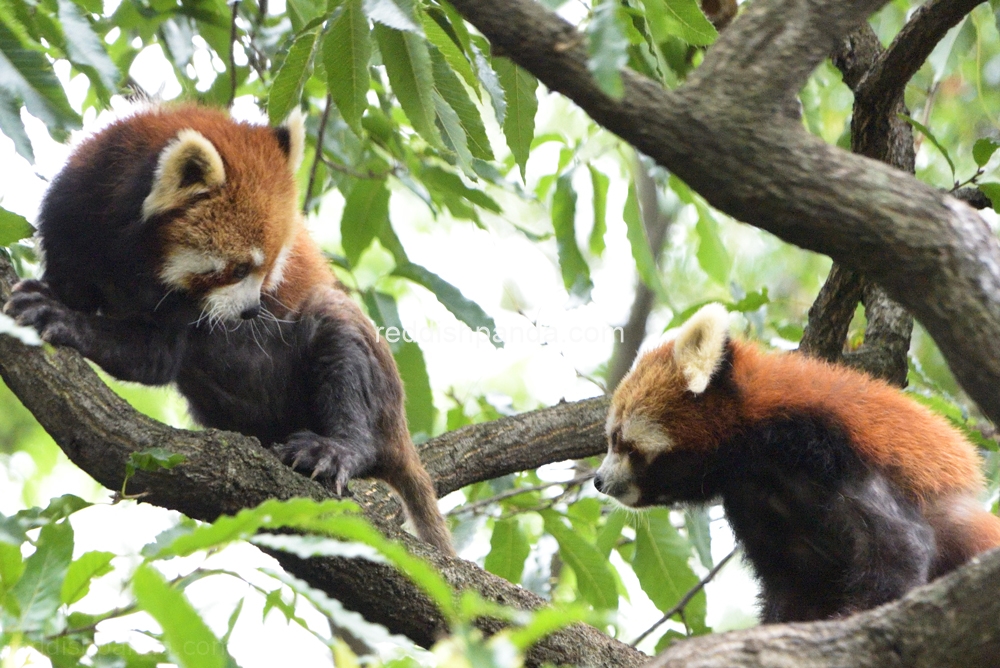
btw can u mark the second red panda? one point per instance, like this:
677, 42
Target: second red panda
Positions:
843, 492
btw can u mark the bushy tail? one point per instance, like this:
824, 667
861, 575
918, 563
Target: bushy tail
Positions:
417, 490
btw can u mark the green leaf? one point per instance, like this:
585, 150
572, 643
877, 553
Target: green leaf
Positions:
679, 18
308, 547
287, 86
13, 227
366, 211
696, 521
85, 49
983, 150
451, 297
408, 64
185, 633
592, 569
600, 183
12, 126
751, 302
11, 566
440, 180
607, 537
712, 255
346, 52
608, 48
575, 272
153, 459
84, 569
661, 564
509, 549
451, 51
397, 14
454, 135
645, 263
37, 592
451, 89
932, 139
992, 191
519, 120
26, 75
491, 82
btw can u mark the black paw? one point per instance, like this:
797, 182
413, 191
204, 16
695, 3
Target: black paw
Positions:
331, 461
32, 304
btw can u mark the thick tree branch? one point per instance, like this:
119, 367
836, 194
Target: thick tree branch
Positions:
930, 252
950, 623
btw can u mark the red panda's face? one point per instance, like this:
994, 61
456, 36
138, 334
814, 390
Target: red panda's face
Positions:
659, 421
226, 207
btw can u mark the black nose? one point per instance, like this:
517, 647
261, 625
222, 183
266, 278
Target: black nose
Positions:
598, 483
251, 312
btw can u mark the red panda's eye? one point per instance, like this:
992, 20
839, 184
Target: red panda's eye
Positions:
616, 440
241, 271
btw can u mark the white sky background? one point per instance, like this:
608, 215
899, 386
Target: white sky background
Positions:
495, 268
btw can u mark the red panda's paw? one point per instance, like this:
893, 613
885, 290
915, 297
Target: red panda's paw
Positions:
32, 304
330, 460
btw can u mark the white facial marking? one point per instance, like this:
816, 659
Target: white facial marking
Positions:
257, 255
645, 435
278, 270
167, 191
617, 481
701, 344
184, 263
228, 302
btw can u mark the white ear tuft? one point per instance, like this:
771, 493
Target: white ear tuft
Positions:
296, 124
700, 345
188, 165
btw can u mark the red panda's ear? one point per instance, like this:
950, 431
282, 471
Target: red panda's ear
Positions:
292, 136
188, 165
701, 344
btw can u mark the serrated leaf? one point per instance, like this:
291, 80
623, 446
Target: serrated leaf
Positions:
933, 140
346, 52
608, 48
519, 120
37, 592
642, 253
12, 126
397, 14
439, 180
26, 75
185, 634
13, 227
366, 211
453, 134
451, 51
451, 297
154, 459
308, 547
992, 191
712, 255
85, 49
287, 86
575, 272
509, 549
451, 90
408, 64
491, 82
599, 183
592, 569
84, 569
661, 564
679, 18
983, 150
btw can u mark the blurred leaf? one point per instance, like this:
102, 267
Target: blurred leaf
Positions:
592, 569
712, 255
417, 385
346, 52
12, 126
608, 48
84, 569
509, 549
983, 150
992, 191
286, 89
519, 119
645, 263
607, 537
600, 183
366, 211
696, 521
661, 564
308, 547
930, 137
11, 565
13, 227
37, 592
575, 272
408, 64
121, 655
185, 633
397, 14
153, 459
751, 302
453, 92
679, 18
546, 621
85, 49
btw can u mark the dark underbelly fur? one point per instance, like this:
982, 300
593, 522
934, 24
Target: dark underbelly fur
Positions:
826, 535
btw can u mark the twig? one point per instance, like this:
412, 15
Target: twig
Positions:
319, 153
344, 169
232, 55
681, 604
475, 505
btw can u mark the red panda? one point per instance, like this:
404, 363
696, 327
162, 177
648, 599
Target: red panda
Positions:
843, 492
175, 253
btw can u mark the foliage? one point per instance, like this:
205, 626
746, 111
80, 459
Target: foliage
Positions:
420, 137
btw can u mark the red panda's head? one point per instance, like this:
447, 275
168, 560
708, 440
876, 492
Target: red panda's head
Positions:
224, 202
666, 415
